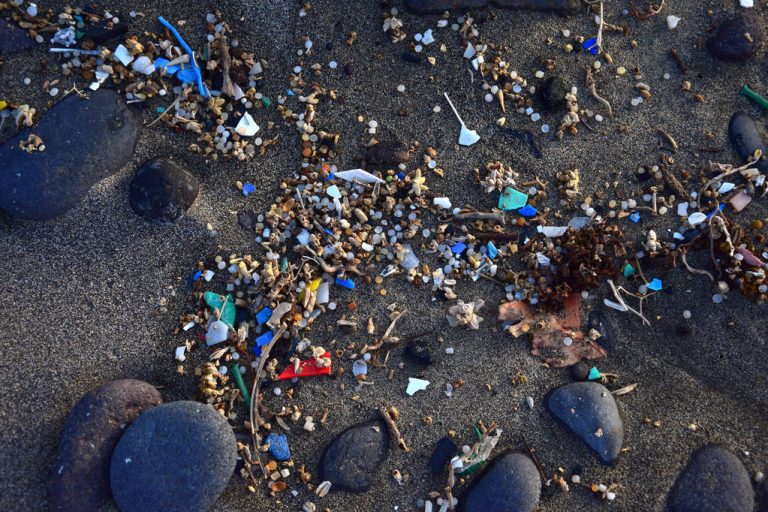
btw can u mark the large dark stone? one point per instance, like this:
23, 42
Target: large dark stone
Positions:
589, 411
746, 138
737, 39
80, 479
552, 93
714, 480
510, 484
350, 461
178, 456
85, 141
162, 191
13, 38
438, 6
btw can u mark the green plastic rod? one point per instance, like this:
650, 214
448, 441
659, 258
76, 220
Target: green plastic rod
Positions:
749, 93
241, 384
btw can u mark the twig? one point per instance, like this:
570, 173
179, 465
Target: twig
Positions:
170, 107
492, 216
693, 270
393, 430
226, 87
532, 453
592, 88
722, 175
668, 138
625, 390
384, 338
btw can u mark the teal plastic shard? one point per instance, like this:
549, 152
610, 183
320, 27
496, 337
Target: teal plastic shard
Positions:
512, 199
629, 270
225, 305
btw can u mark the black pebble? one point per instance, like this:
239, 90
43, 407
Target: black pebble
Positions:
552, 93
412, 58
746, 139
728, 44
418, 352
580, 371
348, 69
162, 191
444, 451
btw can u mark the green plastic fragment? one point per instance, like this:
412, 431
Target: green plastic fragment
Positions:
283, 264
225, 305
266, 101
241, 385
594, 374
629, 270
205, 53
512, 199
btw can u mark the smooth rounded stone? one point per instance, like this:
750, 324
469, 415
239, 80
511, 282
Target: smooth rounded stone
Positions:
552, 93
350, 461
177, 456
563, 7
85, 141
579, 371
162, 191
444, 451
589, 411
418, 352
746, 139
730, 43
510, 483
13, 39
80, 477
387, 152
714, 480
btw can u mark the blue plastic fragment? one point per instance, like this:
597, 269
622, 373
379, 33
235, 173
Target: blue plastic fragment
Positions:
346, 283
634, 217
162, 64
186, 75
400, 176
594, 374
629, 270
263, 315
590, 45
290, 92
492, 250
278, 446
197, 275
655, 285
198, 76
458, 247
528, 211
264, 339
720, 208
248, 188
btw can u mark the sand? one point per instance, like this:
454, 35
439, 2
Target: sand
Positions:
81, 293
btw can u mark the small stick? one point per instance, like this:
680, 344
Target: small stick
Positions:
668, 138
394, 432
625, 390
226, 86
532, 453
679, 61
498, 237
592, 87
492, 216
171, 106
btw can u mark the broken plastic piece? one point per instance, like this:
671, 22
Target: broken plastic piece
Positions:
594, 374
278, 446
218, 331
655, 285
696, 218
634, 217
225, 305
201, 88
179, 353
263, 315
512, 199
333, 191
552, 231
143, 65
528, 211
409, 259
492, 250
307, 368
346, 283
123, 55
248, 188
590, 45
359, 367
442, 202
415, 385
629, 270
740, 200
358, 176
247, 127
752, 95
467, 137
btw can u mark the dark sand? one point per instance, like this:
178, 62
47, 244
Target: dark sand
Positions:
80, 294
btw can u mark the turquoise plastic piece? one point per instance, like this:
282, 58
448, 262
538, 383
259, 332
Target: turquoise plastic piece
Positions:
655, 285
594, 374
629, 270
512, 199
225, 306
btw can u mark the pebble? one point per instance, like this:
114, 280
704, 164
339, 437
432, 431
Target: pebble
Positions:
350, 461
580, 371
162, 191
387, 152
729, 44
418, 352
588, 410
80, 477
177, 456
746, 138
85, 142
714, 480
444, 451
510, 482
552, 93
439, 6
13, 39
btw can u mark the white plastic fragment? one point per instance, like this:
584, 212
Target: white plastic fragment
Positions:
189, 325
208, 275
358, 175
247, 127
427, 38
415, 385
123, 55
470, 51
32, 10
672, 21
359, 367
726, 187
100, 77
179, 354
323, 293
682, 209
143, 65
218, 331
747, 3
442, 202
696, 218
552, 231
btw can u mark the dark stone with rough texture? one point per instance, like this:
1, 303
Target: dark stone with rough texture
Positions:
729, 43
510, 483
714, 480
418, 352
85, 141
746, 138
13, 39
438, 6
80, 479
350, 461
587, 408
552, 93
162, 191
177, 456
580, 371
387, 152
445, 449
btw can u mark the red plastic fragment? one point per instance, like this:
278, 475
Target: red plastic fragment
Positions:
307, 368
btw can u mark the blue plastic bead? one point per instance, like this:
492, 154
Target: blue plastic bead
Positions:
278, 446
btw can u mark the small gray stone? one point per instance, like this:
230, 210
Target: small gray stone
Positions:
730, 43
85, 141
714, 480
589, 411
510, 483
563, 7
175, 457
80, 479
746, 139
351, 459
162, 191
13, 39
